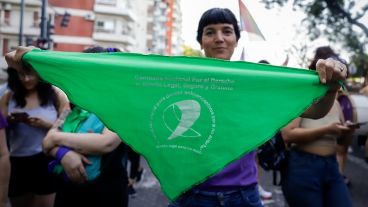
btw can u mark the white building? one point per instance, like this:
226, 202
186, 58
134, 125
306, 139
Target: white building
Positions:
164, 27
10, 24
140, 26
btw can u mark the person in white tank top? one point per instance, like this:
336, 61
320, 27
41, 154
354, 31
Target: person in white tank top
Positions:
31, 107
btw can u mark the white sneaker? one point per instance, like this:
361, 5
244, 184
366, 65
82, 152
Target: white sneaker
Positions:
350, 149
265, 195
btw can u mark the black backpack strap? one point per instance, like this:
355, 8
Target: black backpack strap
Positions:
274, 177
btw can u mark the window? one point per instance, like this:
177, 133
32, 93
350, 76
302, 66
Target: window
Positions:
7, 17
5, 46
35, 19
125, 30
105, 26
107, 2
128, 4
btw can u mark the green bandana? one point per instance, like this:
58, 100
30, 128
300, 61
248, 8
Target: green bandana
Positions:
189, 117
75, 119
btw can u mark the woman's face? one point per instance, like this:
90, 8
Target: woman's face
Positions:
29, 79
219, 41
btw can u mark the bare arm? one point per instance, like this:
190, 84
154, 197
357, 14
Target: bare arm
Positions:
62, 99
293, 133
330, 72
4, 101
85, 143
4, 155
5, 169
321, 107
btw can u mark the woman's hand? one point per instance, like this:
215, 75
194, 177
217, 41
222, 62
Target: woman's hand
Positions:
331, 71
14, 58
39, 123
11, 119
73, 164
346, 136
351, 128
337, 128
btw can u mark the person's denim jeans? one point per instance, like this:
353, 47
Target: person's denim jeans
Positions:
244, 197
312, 180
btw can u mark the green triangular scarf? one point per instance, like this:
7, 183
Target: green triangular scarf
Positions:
75, 119
189, 117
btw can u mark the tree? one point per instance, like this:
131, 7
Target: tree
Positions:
300, 52
360, 61
188, 51
338, 20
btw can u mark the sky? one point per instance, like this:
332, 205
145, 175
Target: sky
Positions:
279, 26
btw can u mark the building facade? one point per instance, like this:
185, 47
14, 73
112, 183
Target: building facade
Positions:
73, 23
141, 26
10, 23
164, 27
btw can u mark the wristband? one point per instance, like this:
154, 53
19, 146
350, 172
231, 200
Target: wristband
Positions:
61, 153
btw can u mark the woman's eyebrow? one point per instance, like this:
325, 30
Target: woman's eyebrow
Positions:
209, 28
228, 27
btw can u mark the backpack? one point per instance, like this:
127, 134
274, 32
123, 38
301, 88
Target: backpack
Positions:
81, 121
272, 155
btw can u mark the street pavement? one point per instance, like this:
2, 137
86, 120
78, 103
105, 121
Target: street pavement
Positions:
149, 193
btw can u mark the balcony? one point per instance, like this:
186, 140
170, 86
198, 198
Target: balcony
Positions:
112, 37
72, 40
14, 30
7, 4
125, 12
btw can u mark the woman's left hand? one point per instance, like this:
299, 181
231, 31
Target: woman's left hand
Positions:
331, 71
73, 164
39, 123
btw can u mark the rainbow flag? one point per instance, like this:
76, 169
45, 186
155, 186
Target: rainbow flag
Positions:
247, 22
242, 56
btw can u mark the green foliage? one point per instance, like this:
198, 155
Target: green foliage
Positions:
361, 63
337, 20
190, 52
333, 19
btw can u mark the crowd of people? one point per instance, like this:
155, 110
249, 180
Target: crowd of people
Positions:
57, 154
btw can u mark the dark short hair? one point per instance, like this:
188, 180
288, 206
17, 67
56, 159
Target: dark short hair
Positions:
99, 49
217, 16
264, 62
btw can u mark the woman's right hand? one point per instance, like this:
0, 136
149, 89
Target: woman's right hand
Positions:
11, 119
39, 123
336, 128
14, 58
73, 164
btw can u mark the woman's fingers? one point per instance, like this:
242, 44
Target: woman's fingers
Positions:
14, 58
331, 70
